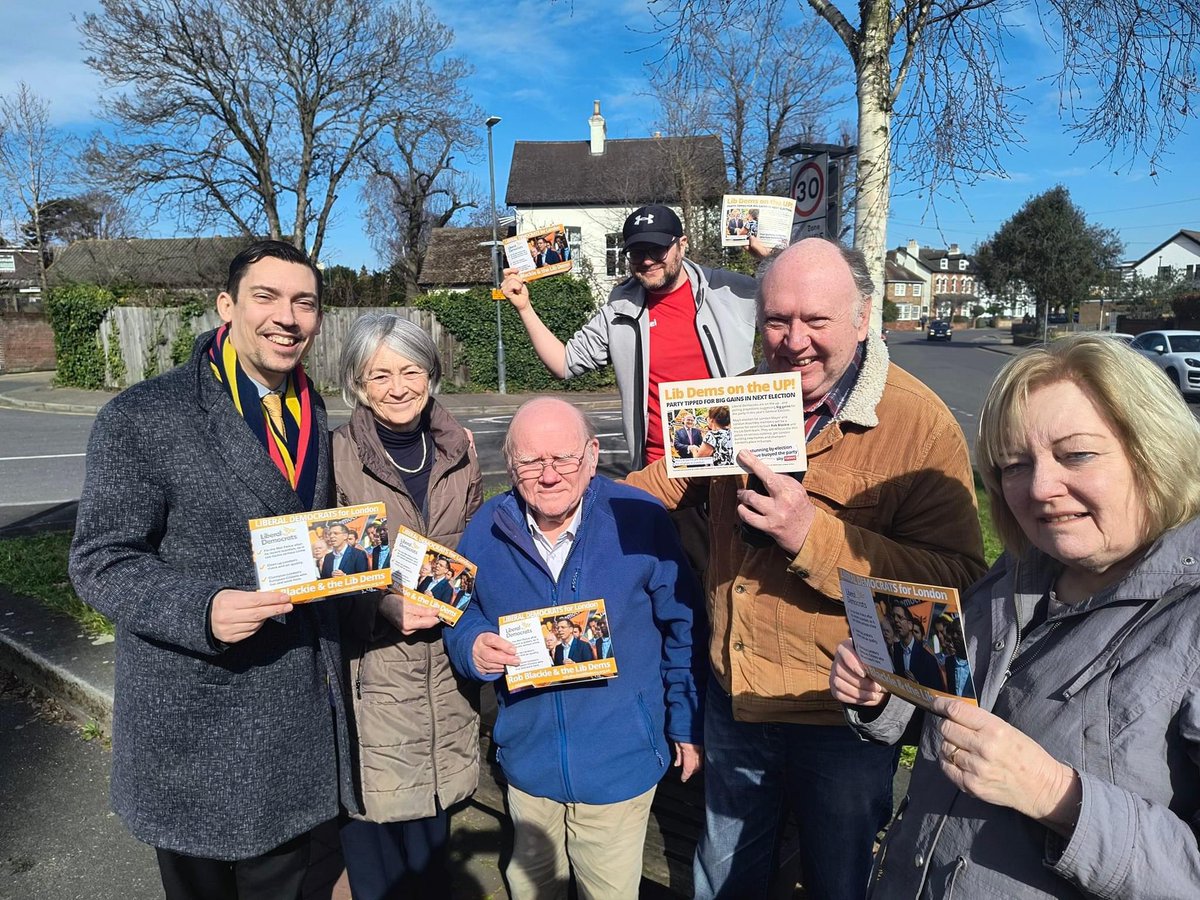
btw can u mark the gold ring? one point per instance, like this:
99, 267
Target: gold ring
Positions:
953, 754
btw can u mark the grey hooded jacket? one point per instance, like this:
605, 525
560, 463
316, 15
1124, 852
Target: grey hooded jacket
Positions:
1109, 687
619, 333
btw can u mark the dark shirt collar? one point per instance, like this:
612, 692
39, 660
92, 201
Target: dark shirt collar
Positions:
835, 400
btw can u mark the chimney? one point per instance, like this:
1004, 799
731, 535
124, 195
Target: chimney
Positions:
954, 250
658, 135
596, 122
914, 248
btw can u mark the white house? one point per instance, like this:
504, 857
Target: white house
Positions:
1178, 255
590, 187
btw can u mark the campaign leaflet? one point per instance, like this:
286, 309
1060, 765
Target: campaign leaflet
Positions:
432, 575
536, 254
752, 215
299, 553
559, 644
706, 422
910, 637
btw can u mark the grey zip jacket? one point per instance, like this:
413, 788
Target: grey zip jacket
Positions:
619, 333
1110, 687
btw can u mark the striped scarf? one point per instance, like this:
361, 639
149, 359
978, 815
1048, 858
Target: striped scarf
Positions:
295, 451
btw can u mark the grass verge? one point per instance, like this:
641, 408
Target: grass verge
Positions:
36, 566
992, 548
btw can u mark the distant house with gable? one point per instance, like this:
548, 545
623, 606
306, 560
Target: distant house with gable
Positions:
908, 289
949, 281
591, 186
20, 287
1178, 255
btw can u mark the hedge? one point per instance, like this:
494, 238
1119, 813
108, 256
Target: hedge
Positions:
563, 303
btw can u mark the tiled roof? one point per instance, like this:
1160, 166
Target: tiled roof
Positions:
197, 262
896, 272
18, 267
933, 260
630, 172
455, 256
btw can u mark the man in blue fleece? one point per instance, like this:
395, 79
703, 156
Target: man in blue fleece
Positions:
582, 759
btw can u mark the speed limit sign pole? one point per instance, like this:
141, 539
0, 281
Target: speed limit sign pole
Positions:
809, 190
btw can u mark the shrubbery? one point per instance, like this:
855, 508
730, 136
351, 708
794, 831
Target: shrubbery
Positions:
563, 303
75, 313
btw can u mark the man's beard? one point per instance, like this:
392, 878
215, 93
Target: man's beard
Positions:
670, 273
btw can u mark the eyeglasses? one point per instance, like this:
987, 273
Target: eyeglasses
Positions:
638, 255
563, 465
383, 380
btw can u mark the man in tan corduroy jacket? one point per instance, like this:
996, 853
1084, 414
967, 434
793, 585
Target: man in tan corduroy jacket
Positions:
888, 493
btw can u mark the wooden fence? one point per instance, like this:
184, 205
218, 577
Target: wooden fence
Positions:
144, 337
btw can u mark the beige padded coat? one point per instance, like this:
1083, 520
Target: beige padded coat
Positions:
417, 725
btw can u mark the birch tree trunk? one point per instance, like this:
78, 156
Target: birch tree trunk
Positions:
874, 148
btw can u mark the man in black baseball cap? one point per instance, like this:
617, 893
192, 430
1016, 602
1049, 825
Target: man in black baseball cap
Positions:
671, 321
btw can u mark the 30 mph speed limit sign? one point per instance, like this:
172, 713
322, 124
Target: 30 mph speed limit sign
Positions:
808, 187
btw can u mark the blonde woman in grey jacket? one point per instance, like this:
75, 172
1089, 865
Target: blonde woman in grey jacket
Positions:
417, 726
1078, 775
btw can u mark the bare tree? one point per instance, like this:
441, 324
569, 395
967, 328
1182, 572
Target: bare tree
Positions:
34, 164
756, 82
1127, 80
415, 187
248, 112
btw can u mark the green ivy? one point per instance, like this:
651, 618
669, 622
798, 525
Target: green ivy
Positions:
150, 368
75, 313
564, 305
185, 337
114, 359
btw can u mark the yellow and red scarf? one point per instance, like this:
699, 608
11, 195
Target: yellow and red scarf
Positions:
295, 451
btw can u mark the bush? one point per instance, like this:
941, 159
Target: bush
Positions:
75, 313
1186, 308
564, 305
891, 312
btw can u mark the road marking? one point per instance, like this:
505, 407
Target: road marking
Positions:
50, 456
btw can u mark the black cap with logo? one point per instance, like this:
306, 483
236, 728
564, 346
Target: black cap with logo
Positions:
654, 224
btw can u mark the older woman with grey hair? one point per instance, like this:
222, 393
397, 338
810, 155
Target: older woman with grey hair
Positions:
417, 725
1078, 772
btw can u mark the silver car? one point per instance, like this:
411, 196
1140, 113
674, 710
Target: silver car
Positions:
1175, 352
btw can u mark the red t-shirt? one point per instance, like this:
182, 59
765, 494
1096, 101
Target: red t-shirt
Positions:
675, 354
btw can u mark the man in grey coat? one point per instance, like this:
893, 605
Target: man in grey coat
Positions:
229, 732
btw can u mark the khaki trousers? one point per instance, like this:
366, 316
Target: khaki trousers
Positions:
601, 843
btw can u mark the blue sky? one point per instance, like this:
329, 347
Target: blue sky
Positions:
539, 65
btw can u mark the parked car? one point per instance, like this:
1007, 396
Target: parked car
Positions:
939, 330
1175, 352
1121, 336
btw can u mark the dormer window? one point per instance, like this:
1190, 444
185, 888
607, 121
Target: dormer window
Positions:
962, 265
945, 263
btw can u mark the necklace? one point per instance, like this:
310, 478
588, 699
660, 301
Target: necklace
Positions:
420, 465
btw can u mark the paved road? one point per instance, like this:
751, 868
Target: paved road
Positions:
41, 461
960, 372
41, 454
42, 458
58, 839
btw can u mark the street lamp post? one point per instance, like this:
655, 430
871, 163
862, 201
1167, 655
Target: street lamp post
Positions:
496, 297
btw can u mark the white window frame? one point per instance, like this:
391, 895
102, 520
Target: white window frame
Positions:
614, 255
